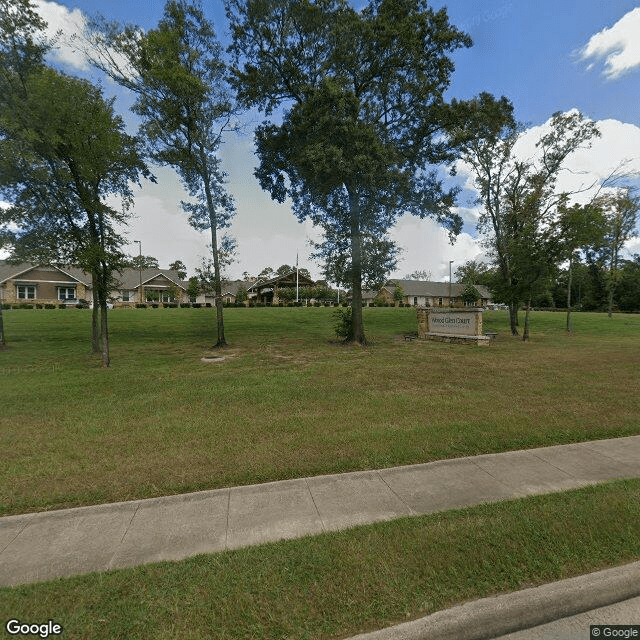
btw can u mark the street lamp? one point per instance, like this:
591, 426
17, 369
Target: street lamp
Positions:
140, 269
450, 263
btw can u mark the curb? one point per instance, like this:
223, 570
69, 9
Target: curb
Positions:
498, 615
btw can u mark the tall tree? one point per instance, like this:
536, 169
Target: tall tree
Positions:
473, 272
418, 274
621, 212
519, 197
64, 154
178, 74
579, 226
143, 262
360, 138
180, 267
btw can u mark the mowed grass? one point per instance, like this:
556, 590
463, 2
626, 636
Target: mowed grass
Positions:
289, 401
335, 585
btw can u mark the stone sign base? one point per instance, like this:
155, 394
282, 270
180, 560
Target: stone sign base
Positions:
439, 337
450, 324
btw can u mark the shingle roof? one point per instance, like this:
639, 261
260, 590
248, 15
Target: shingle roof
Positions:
8, 271
436, 289
302, 279
130, 278
126, 279
232, 288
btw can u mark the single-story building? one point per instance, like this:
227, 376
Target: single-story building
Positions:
47, 284
267, 290
423, 293
229, 292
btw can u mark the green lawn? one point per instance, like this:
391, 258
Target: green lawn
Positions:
338, 584
289, 402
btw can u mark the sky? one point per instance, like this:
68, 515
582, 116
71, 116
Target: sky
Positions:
547, 56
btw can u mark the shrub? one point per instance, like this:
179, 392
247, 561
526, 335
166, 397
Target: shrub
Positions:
185, 305
49, 306
82, 306
317, 304
252, 304
196, 305
39, 306
208, 305
141, 305
24, 305
342, 324
155, 305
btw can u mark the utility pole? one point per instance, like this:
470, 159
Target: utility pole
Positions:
450, 263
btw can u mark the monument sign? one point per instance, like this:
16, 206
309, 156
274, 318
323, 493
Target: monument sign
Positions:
451, 324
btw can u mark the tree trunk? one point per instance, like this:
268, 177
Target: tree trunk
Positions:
357, 326
95, 332
3, 342
105, 334
569, 320
513, 318
525, 333
217, 279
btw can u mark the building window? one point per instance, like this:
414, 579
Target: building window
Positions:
26, 292
439, 302
168, 297
126, 295
66, 293
415, 301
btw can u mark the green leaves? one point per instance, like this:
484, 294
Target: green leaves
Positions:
362, 129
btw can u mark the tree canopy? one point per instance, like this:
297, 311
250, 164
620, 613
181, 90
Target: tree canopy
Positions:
519, 197
178, 74
64, 154
363, 112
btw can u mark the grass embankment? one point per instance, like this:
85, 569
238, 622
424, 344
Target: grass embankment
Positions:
288, 403
339, 584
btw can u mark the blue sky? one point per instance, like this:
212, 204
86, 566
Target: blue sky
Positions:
545, 57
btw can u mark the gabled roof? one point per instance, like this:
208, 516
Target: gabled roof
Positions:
126, 279
434, 289
11, 271
232, 288
302, 279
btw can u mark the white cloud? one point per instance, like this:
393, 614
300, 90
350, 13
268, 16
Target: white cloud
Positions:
425, 246
618, 143
618, 46
64, 25
583, 172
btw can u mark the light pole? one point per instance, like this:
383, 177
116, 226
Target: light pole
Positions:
450, 263
140, 270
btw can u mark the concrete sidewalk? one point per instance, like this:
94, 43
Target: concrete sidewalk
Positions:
46, 545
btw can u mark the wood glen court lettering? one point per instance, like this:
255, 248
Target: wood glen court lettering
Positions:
460, 325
